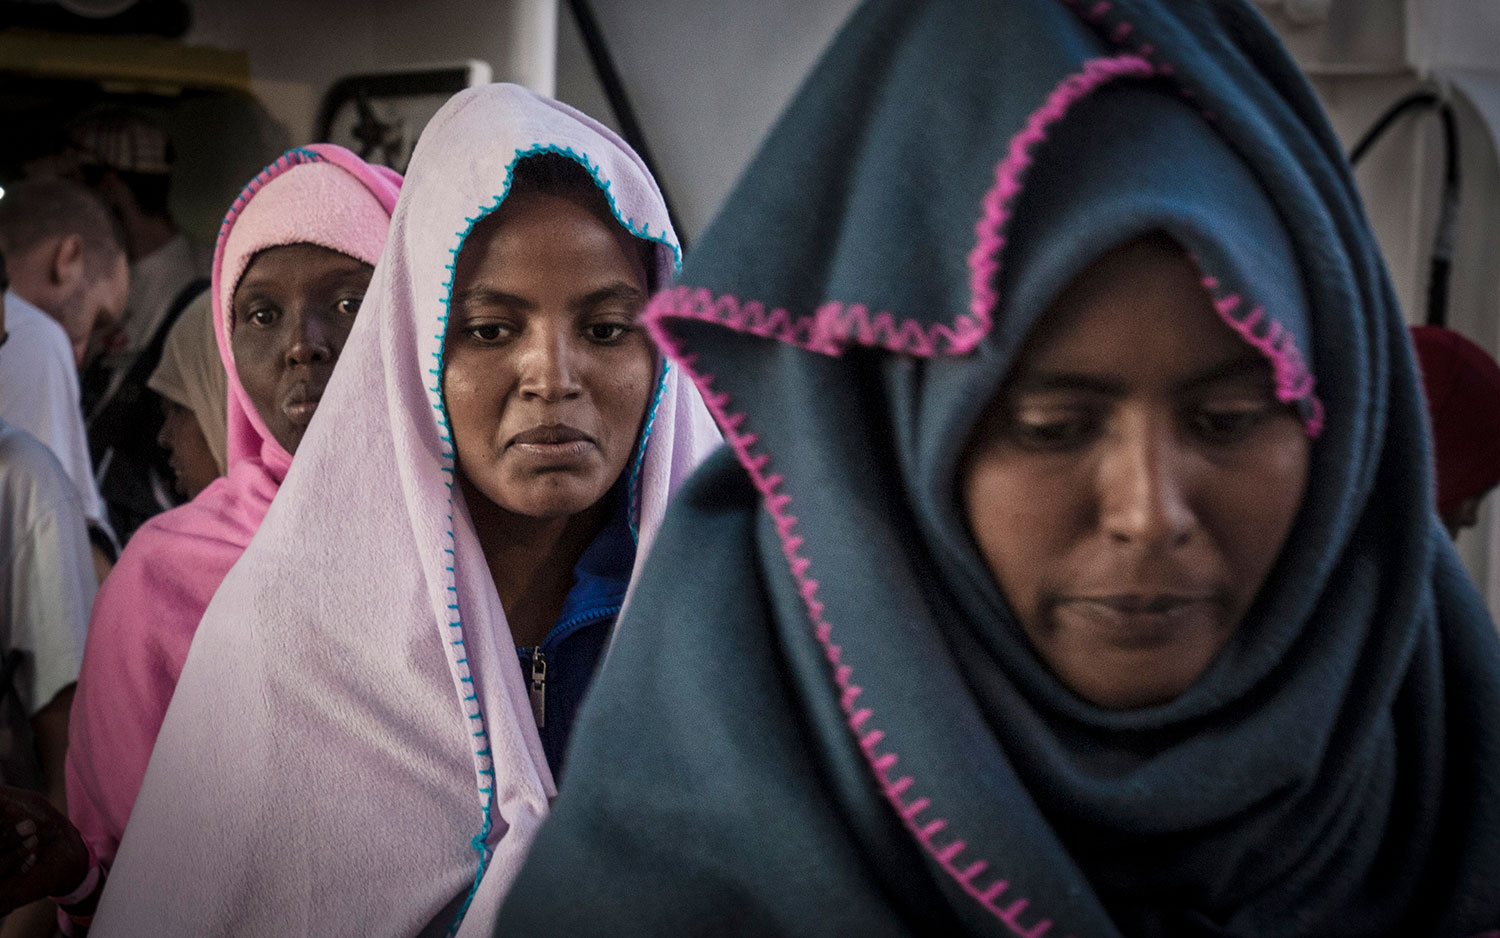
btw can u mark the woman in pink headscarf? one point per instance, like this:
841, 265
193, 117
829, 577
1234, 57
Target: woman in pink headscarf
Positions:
293, 260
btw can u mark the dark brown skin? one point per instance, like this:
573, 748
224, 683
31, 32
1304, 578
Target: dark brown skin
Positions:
1134, 480
293, 310
192, 461
41, 853
547, 376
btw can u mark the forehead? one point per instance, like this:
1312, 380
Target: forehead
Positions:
290, 264
1137, 314
547, 239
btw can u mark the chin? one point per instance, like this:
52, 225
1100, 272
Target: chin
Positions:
549, 498
1143, 686
1130, 698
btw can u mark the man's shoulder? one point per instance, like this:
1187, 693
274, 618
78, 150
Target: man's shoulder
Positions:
30, 474
37, 376
32, 329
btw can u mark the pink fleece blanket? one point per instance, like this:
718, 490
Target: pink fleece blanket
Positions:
351, 750
149, 607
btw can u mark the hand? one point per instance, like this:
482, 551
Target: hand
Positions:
41, 852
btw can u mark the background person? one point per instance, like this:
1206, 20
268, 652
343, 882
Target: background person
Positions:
1462, 385
127, 159
294, 260
67, 275
190, 382
47, 586
328, 211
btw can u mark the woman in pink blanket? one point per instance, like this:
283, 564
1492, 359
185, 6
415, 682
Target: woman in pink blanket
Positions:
368, 729
293, 260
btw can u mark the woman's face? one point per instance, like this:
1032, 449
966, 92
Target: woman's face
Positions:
1133, 481
292, 312
182, 437
547, 369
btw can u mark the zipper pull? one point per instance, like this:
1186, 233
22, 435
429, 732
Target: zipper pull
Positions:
539, 686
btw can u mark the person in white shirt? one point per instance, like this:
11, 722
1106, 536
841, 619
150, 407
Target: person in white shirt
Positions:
67, 275
47, 586
47, 582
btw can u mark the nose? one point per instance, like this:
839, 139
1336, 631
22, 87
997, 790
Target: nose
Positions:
1145, 482
548, 366
309, 340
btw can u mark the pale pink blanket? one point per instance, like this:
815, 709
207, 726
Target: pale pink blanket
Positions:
351, 750
149, 607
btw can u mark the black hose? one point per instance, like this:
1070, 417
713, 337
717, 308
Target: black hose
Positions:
1440, 268
619, 101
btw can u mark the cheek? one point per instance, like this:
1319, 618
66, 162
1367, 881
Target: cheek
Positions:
171, 429
187, 437
625, 390
204, 452
338, 327
256, 363
461, 395
177, 437
1020, 517
1259, 504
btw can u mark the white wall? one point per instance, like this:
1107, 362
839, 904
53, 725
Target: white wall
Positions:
298, 48
1368, 54
707, 80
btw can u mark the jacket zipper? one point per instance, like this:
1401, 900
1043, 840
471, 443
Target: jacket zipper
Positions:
538, 689
539, 686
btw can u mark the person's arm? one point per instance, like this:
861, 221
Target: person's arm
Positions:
69, 860
42, 855
50, 728
102, 563
103, 551
52, 587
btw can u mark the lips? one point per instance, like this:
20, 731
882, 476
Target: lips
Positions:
302, 401
1137, 620
1135, 603
551, 446
552, 434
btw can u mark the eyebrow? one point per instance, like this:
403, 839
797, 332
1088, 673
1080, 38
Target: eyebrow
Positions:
1248, 365
330, 278
619, 290
489, 296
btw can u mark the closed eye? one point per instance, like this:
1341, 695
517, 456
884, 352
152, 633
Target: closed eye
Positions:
1222, 426
1051, 432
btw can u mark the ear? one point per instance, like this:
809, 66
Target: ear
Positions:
67, 262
